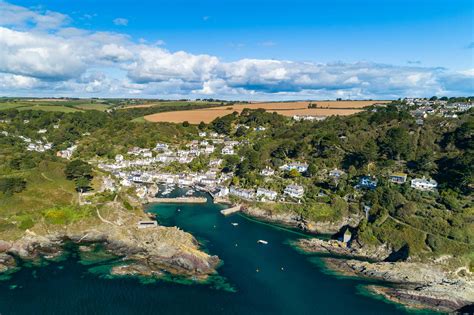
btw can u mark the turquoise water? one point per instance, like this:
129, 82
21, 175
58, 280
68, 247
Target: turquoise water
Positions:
264, 279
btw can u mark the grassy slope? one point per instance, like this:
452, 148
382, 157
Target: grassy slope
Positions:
47, 187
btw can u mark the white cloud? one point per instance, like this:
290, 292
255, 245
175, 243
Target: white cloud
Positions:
121, 21
40, 54
17, 16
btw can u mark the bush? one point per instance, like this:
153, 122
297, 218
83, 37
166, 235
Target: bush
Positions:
11, 185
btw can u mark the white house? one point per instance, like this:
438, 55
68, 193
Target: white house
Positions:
147, 154
424, 184
227, 151
336, 173
294, 191
223, 192
42, 131
266, 194
215, 163
202, 134
161, 146
267, 172
209, 149
300, 167
242, 193
119, 158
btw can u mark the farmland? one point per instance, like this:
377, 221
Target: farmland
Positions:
321, 108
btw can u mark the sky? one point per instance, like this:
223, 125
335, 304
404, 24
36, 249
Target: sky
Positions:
249, 50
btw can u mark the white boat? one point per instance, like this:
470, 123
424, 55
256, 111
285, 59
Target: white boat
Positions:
262, 242
234, 224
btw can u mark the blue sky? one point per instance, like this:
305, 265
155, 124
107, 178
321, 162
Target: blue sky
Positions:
431, 42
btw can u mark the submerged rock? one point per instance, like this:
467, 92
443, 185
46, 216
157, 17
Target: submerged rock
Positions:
7, 262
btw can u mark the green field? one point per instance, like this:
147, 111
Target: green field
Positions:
66, 106
50, 108
169, 103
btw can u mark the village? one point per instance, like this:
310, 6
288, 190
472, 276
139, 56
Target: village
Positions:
147, 171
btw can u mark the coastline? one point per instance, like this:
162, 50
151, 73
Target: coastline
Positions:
410, 284
416, 285
144, 252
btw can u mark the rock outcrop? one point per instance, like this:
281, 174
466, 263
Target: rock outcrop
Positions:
294, 220
430, 284
150, 250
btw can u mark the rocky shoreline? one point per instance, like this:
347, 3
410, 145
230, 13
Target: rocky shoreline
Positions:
414, 284
295, 221
430, 285
150, 251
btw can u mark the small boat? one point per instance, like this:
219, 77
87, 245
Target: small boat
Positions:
179, 210
262, 242
234, 224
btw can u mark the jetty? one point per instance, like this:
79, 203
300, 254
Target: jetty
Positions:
178, 200
231, 210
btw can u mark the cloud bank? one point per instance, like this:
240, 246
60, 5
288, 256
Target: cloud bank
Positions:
40, 54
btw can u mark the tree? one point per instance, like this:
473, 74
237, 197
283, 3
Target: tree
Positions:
78, 168
241, 131
80, 172
312, 169
202, 125
397, 143
185, 123
425, 163
370, 151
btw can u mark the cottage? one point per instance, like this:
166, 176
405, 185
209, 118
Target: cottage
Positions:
42, 131
367, 182
266, 194
202, 134
215, 162
223, 192
119, 158
294, 191
242, 193
335, 173
424, 184
300, 167
227, 151
161, 147
267, 171
209, 149
398, 178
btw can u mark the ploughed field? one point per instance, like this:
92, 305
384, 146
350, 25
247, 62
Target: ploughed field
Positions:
324, 108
